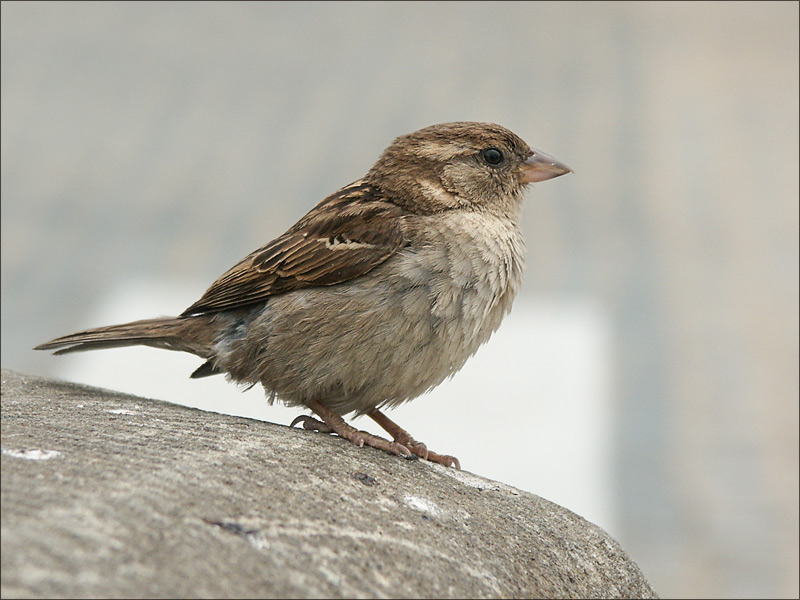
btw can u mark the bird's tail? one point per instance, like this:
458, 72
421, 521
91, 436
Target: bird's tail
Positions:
186, 334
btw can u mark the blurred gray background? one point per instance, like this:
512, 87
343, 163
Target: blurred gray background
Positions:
147, 147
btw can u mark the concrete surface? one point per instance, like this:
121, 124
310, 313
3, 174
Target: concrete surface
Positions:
110, 495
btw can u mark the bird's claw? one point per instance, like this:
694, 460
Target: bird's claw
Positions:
311, 424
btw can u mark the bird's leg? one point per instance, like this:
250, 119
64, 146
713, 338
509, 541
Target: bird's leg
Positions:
335, 423
401, 436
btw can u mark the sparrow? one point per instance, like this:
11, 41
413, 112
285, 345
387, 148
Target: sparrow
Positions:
377, 295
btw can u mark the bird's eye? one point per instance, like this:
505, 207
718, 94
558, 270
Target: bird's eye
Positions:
492, 156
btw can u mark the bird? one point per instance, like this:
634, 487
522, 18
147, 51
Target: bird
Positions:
379, 293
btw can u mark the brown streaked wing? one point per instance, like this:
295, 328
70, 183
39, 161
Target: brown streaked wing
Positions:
346, 235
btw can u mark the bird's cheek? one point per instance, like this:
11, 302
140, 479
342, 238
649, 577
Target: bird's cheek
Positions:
471, 186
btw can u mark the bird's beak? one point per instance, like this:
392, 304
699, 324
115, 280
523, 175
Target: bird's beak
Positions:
540, 167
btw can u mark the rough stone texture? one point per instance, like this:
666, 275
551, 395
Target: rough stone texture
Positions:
110, 495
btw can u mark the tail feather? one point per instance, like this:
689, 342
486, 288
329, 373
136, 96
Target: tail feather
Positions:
170, 333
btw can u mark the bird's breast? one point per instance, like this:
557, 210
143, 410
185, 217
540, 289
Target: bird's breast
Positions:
466, 269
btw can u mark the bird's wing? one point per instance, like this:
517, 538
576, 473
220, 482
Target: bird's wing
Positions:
346, 235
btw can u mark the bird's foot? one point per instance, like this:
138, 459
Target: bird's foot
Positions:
402, 437
333, 423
